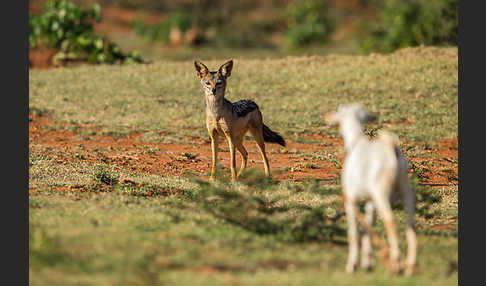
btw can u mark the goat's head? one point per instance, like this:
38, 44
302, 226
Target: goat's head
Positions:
353, 110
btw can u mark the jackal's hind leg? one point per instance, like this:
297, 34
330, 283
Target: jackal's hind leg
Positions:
258, 135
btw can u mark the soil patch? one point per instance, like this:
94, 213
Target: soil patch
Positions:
41, 58
295, 162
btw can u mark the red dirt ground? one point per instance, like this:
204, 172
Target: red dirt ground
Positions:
41, 58
288, 163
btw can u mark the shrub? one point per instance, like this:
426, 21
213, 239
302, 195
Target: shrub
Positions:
307, 23
155, 33
160, 32
413, 23
69, 29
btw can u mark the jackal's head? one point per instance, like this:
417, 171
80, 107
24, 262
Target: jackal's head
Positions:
214, 82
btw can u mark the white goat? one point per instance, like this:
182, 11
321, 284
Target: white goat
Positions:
375, 171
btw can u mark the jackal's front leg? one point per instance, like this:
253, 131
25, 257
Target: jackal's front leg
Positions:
214, 153
231, 145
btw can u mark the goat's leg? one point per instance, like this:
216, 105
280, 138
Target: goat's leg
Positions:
384, 209
353, 236
367, 262
409, 202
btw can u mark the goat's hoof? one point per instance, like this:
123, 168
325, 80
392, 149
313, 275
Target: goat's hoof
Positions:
394, 268
409, 270
368, 263
350, 268
367, 267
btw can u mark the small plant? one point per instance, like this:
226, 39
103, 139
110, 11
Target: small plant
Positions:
144, 189
69, 29
78, 156
335, 162
150, 151
418, 170
190, 156
37, 111
425, 198
103, 176
307, 23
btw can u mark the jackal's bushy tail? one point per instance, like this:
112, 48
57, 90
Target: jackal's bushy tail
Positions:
272, 136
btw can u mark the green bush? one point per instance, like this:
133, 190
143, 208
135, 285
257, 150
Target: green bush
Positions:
68, 28
307, 23
413, 23
160, 32
154, 33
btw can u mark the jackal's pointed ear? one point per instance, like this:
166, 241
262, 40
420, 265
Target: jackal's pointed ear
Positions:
225, 69
201, 69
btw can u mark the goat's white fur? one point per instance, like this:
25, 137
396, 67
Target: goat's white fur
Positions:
375, 171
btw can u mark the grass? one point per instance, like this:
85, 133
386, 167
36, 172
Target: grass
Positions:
417, 84
98, 224
254, 232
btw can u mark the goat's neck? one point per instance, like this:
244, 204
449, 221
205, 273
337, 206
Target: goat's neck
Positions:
352, 132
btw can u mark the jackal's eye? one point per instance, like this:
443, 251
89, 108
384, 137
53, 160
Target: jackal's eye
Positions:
207, 83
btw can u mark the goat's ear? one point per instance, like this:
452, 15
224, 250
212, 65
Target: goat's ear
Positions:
364, 116
371, 117
225, 69
201, 69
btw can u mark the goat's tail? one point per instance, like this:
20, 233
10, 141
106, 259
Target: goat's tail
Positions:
272, 136
389, 138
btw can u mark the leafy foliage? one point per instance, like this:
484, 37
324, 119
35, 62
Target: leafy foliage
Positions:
161, 32
307, 23
413, 23
68, 28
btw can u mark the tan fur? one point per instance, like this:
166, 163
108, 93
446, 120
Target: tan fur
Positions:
220, 120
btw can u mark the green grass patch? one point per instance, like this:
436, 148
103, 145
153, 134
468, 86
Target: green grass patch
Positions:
139, 230
418, 84
98, 224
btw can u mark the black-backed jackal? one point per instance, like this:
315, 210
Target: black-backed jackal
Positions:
232, 120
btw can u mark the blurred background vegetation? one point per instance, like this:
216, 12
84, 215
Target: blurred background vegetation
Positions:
110, 31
